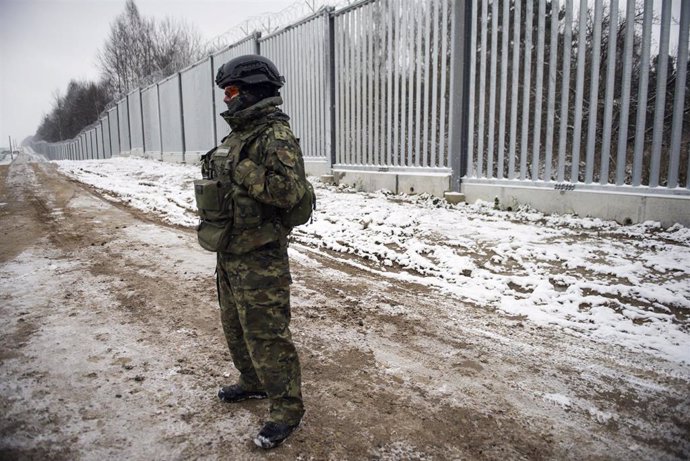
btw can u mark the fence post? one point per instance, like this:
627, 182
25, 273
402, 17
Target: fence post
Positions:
331, 87
459, 90
184, 144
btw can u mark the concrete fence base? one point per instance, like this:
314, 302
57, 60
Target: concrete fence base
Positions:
623, 207
397, 182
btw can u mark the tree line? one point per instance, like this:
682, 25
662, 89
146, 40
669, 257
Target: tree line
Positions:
138, 51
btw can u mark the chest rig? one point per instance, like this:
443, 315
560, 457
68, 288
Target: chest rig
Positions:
225, 208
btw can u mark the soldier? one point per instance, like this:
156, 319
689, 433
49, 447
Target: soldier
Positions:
252, 178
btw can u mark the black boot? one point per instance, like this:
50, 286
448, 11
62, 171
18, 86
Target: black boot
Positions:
235, 393
273, 434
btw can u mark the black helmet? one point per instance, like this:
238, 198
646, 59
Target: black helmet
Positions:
250, 69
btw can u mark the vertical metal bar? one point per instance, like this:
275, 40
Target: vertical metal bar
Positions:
551, 98
408, 92
492, 91
160, 125
434, 75
642, 93
459, 89
426, 109
404, 63
621, 153
418, 109
679, 100
565, 92
482, 90
359, 110
337, 102
317, 95
376, 59
342, 76
312, 78
526, 85
444, 146
379, 52
608, 98
472, 77
579, 92
390, 58
514, 90
298, 101
536, 140
397, 73
593, 93
362, 48
368, 37
505, 33
320, 98
344, 73
182, 133
364, 85
350, 89
331, 88
660, 106
360, 86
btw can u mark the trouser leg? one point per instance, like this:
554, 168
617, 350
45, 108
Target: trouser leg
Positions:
265, 318
234, 333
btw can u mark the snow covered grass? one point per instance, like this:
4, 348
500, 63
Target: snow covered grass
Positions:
626, 285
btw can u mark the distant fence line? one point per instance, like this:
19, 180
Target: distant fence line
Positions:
487, 91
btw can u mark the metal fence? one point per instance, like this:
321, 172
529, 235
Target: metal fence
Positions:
391, 84
588, 97
302, 54
559, 93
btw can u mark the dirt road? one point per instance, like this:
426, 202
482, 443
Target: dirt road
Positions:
112, 348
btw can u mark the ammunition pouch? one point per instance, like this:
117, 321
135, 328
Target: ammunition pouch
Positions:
248, 213
214, 207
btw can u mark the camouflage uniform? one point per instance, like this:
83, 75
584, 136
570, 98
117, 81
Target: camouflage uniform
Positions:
262, 157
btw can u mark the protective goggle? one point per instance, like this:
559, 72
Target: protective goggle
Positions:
231, 92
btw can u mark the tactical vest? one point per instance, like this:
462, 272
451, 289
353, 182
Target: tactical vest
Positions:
231, 220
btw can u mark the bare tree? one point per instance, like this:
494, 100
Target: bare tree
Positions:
139, 50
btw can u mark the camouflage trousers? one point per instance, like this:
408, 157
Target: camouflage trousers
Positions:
254, 297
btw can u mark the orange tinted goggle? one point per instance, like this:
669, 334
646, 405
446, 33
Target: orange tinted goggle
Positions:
232, 91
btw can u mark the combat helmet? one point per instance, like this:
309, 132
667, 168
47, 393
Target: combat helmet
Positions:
250, 69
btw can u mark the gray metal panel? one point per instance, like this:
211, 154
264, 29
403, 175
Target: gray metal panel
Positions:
390, 84
94, 143
89, 144
114, 132
123, 125
151, 120
99, 140
300, 55
197, 104
107, 150
170, 110
135, 123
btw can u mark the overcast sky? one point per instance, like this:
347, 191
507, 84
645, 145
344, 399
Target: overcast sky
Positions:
46, 43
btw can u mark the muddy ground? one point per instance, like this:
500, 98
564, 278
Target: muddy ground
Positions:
112, 349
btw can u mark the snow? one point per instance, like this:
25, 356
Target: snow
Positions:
625, 285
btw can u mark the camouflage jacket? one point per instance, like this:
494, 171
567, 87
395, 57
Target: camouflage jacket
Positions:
262, 157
